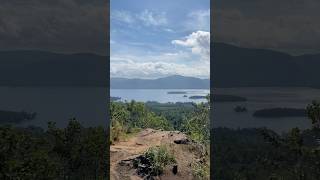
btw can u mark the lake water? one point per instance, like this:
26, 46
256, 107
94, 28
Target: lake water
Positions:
59, 104
159, 95
223, 112
89, 105
260, 98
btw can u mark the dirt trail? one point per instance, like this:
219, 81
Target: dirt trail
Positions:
185, 154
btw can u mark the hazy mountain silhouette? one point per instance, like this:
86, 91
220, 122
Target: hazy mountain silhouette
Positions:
170, 82
239, 67
39, 68
231, 67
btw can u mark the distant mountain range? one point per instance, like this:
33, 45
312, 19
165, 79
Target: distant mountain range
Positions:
39, 68
170, 82
231, 66
243, 67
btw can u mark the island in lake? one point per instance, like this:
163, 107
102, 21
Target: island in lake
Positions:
240, 109
176, 92
197, 97
16, 117
228, 98
280, 112
115, 98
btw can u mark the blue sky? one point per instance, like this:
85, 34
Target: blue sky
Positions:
153, 38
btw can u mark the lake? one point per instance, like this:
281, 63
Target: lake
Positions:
159, 95
88, 105
59, 104
223, 112
260, 98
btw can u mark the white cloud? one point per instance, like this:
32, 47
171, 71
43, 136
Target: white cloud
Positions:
178, 57
150, 18
198, 42
123, 67
146, 17
190, 60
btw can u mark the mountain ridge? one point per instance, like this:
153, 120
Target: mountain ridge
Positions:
43, 68
169, 82
234, 66
231, 66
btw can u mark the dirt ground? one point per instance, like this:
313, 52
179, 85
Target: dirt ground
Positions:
185, 154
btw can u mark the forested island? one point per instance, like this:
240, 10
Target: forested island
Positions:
176, 92
240, 109
280, 112
197, 97
13, 117
228, 98
115, 98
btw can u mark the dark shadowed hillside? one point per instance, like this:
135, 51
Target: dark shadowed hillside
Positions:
170, 82
39, 68
239, 67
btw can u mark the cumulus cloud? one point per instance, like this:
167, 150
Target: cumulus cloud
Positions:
191, 60
198, 42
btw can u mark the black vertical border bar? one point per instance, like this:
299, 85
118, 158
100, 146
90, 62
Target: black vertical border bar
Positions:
211, 115
107, 107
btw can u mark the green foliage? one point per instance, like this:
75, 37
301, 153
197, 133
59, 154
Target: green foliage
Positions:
79, 150
117, 131
24, 157
141, 117
155, 122
73, 152
313, 112
188, 117
251, 153
175, 113
159, 157
201, 171
198, 125
119, 113
130, 116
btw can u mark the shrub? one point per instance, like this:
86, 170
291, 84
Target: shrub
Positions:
200, 171
127, 118
159, 158
198, 125
116, 132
